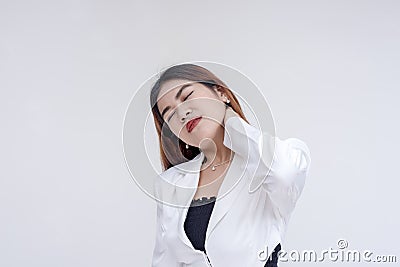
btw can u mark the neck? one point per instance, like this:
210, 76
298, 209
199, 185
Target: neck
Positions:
215, 151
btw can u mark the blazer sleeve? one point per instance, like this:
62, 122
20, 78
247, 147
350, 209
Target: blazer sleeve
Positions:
162, 253
280, 166
160, 249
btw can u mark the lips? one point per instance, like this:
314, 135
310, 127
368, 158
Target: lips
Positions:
192, 123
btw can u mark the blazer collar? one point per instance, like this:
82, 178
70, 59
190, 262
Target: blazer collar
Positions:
192, 165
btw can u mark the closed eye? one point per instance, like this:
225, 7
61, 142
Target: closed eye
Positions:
172, 114
169, 118
188, 95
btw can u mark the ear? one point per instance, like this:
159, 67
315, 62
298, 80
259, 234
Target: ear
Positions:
219, 91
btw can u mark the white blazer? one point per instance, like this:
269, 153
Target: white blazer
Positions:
261, 186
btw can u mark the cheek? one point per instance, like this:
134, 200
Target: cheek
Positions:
214, 113
176, 129
180, 131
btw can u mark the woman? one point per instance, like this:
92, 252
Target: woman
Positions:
207, 144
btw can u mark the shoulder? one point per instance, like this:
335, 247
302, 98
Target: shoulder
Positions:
170, 175
165, 186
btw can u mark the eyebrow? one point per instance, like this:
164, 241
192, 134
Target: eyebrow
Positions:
178, 94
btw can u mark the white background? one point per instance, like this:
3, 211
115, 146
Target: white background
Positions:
68, 69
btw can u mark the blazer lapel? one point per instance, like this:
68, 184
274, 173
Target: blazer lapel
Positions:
190, 173
228, 191
230, 188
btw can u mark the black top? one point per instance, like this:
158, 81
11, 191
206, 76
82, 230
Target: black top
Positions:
196, 223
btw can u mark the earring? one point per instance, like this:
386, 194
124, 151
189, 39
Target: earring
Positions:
228, 101
187, 146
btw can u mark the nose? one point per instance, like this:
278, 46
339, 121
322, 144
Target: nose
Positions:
183, 113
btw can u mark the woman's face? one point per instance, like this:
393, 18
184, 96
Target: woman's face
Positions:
180, 101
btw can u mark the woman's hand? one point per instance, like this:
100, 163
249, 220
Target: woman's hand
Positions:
229, 113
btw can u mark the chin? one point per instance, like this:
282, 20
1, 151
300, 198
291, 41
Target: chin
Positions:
206, 133
204, 130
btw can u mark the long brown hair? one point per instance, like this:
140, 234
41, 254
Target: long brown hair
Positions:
169, 143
